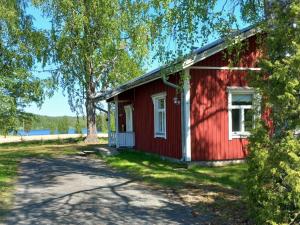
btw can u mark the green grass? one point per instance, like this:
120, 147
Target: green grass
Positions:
155, 170
12, 153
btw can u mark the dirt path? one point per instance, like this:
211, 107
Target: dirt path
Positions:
85, 191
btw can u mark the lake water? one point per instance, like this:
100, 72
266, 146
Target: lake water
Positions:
46, 132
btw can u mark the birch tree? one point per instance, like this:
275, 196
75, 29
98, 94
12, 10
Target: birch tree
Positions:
96, 45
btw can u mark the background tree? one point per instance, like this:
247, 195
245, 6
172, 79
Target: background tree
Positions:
78, 126
96, 45
21, 46
63, 125
102, 122
27, 125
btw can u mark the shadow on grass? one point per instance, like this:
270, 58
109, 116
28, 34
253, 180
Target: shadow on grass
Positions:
166, 173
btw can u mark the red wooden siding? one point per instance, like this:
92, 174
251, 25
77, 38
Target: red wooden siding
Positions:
209, 115
143, 119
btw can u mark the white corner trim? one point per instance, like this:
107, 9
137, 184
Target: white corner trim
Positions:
225, 68
187, 117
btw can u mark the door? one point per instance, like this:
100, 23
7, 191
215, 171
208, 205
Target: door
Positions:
128, 114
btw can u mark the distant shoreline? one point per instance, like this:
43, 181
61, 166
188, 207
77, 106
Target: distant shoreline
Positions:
12, 139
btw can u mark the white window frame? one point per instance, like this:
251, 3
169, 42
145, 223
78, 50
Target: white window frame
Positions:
239, 90
129, 118
155, 99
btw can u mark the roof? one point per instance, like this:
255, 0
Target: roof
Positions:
198, 55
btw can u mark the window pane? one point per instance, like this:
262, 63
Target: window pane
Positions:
160, 119
248, 114
163, 122
161, 103
242, 99
236, 126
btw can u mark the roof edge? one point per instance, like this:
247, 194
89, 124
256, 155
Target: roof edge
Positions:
201, 54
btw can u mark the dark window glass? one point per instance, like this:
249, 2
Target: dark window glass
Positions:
248, 115
236, 126
242, 99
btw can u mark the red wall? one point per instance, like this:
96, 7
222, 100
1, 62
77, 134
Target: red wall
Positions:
209, 101
209, 116
143, 119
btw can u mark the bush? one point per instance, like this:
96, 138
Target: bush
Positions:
273, 178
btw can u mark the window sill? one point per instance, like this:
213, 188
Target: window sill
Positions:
240, 135
160, 136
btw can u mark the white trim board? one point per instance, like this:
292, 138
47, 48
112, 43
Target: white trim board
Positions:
187, 118
225, 68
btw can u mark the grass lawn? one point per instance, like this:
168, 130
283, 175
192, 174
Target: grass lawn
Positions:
210, 191
166, 173
12, 153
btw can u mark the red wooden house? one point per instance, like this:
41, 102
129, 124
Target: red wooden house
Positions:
208, 121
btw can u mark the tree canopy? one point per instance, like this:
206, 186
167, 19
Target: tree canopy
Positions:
21, 46
96, 45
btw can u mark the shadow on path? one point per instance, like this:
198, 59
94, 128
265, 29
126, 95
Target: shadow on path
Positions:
85, 191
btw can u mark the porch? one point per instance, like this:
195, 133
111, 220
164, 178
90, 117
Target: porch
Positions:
120, 124
122, 139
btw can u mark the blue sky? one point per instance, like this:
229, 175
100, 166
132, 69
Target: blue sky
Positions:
58, 105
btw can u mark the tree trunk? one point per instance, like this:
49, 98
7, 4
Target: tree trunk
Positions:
91, 137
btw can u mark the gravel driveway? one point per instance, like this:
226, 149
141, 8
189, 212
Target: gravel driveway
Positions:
85, 191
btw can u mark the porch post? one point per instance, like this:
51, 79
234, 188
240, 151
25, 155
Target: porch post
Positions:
108, 124
187, 116
117, 120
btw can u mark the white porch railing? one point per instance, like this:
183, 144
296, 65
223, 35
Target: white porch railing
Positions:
112, 138
122, 139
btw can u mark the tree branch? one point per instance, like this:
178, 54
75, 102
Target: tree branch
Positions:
100, 109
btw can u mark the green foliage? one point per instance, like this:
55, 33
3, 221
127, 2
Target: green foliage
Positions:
78, 127
96, 45
274, 172
63, 125
21, 46
273, 178
28, 125
38, 122
102, 122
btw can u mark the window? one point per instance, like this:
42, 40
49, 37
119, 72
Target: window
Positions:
240, 111
159, 102
128, 116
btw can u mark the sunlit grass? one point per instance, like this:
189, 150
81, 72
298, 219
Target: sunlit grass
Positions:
154, 169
